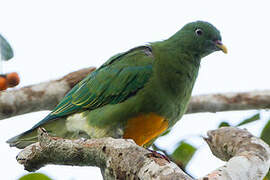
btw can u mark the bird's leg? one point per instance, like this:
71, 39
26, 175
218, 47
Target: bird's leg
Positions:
158, 155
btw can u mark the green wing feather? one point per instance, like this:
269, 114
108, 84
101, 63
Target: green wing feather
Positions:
115, 81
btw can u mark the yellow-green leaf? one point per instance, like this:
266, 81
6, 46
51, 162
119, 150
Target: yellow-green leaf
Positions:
183, 154
35, 176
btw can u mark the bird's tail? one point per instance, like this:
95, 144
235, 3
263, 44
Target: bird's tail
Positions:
55, 127
24, 139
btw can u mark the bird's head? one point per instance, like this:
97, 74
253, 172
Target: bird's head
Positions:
201, 38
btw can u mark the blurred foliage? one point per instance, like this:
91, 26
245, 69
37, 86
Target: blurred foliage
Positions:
250, 119
223, 124
7, 80
166, 132
265, 134
183, 154
5, 49
267, 177
253, 118
35, 176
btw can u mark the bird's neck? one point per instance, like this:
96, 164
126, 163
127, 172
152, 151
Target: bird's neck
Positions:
175, 68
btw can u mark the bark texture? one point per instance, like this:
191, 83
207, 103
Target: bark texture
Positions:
247, 156
230, 102
117, 158
45, 96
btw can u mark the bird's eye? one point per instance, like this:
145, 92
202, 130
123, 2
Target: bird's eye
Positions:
199, 32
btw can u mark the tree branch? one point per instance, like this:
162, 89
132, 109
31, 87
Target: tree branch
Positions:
248, 156
230, 101
117, 158
45, 96
122, 159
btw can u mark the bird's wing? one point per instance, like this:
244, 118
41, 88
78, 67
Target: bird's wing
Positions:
121, 77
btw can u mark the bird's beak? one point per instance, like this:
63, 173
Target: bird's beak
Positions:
221, 46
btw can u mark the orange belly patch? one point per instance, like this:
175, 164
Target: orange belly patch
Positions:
144, 128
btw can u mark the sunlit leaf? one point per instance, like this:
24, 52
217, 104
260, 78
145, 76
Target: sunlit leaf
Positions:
183, 154
223, 124
35, 176
265, 134
5, 49
250, 119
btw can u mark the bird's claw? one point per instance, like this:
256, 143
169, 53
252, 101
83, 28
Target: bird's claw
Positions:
158, 155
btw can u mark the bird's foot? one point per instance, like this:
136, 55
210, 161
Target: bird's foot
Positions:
158, 155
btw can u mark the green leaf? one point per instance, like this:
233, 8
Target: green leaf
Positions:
166, 132
265, 134
183, 154
35, 176
251, 119
267, 177
224, 124
5, 49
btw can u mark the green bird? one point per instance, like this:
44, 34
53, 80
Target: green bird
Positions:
135, 95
